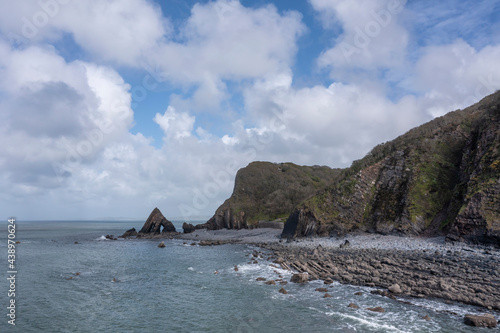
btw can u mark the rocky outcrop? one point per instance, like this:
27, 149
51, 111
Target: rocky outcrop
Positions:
188, 228
129, 233
486, 320
440, 178
156, 224
266, 191
474, 279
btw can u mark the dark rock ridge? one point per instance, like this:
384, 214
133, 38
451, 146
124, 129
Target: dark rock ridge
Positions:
265, 191
155, 224
440, 178
129, 233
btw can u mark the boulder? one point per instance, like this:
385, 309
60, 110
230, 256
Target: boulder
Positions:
300, 278
129, 233
283, 291
395, 289
260, 279
485, 320
353, 306
321, 290
327, 295
188, 228
155, 222
270, 282
161, 245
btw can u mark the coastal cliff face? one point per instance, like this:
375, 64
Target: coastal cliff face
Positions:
440, 178
268, 191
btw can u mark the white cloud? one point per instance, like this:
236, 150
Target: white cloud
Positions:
175, 124
121, 31
456, 75
372, 34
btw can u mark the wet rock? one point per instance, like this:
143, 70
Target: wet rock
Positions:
377, 309
359, 293
327, 295
353, 306
270, 282
283, 291
426, 317
321, 290
328, 281
161, 245
486, 320
300, 278
283, 282
260, 279
235, 268
129, 233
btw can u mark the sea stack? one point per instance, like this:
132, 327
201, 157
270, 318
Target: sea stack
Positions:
154, 224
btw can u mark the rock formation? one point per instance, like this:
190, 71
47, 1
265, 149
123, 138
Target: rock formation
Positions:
188, 227
440, 178
154, 223
129, 233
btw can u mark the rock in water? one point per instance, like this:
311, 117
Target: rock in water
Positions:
376, 309
129, 233
486, 320
162, 244
155, 222
300, 278
283, 291
188, 228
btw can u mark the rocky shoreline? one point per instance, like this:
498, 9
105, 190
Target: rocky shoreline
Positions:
413, 267
474, 279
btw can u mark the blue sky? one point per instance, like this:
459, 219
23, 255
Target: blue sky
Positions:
111, 108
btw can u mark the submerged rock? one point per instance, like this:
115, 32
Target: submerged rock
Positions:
377, 309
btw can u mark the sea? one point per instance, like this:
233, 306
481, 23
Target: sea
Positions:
70, 278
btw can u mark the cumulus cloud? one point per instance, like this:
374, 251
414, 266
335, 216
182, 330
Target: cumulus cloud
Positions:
372, 34
175, 124
456, 75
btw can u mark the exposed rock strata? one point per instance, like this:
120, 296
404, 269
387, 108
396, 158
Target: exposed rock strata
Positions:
417, 274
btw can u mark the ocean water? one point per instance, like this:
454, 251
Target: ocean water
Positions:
134, 286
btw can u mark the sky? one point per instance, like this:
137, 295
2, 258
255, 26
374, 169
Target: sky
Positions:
109, 108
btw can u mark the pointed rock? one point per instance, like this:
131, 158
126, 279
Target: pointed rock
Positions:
155, 222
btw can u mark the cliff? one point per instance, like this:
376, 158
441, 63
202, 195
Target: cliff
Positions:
266, 191
440, 178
